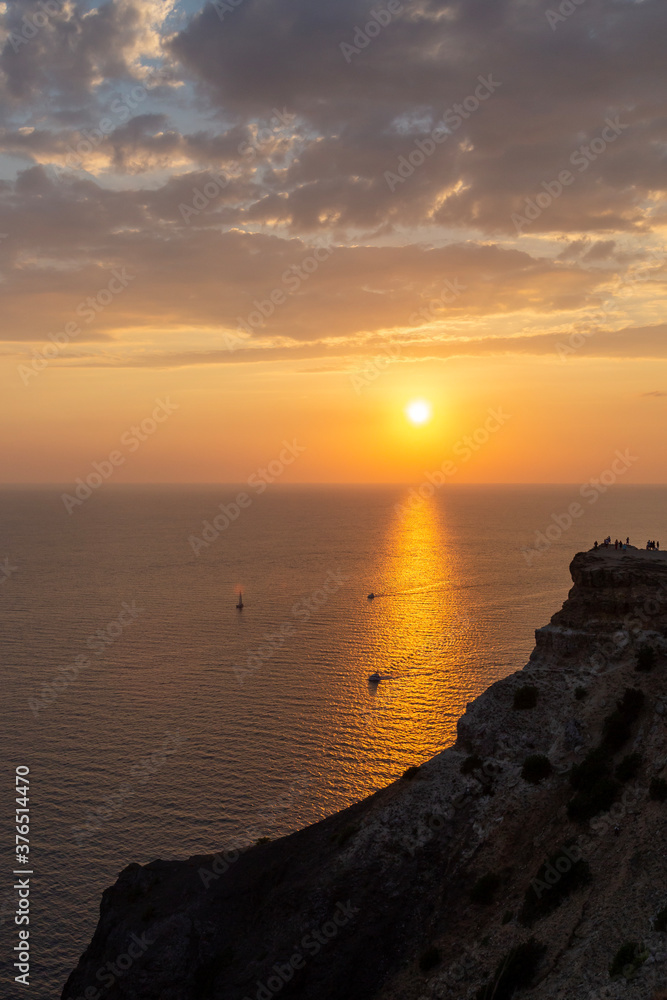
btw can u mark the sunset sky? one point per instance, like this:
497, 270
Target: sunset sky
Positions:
289, 219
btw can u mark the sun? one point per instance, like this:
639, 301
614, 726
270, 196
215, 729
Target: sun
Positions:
418, 411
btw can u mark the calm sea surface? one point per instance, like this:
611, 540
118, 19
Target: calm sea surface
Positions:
194, 727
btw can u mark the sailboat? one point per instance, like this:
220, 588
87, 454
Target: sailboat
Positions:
240, 601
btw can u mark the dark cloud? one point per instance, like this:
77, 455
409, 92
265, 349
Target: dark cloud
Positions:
260, 138
558, 88
64, 49
67, 235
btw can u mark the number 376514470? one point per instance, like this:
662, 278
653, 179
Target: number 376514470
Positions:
22, 815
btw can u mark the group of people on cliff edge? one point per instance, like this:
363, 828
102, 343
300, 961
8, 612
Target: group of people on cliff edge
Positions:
618, 544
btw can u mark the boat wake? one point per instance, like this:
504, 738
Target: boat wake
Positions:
412, 590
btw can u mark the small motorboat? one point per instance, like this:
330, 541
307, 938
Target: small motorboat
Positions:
374, 678
371, 596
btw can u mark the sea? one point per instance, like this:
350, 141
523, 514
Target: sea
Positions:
157, 720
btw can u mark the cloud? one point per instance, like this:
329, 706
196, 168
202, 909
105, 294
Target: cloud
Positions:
68, 235
557, 91
647, 342
255, 142
66, 50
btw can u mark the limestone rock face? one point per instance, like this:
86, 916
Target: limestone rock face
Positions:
375, 903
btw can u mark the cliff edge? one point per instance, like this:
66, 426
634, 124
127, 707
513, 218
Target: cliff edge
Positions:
529, 858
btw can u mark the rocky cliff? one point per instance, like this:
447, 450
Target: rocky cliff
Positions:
528, 859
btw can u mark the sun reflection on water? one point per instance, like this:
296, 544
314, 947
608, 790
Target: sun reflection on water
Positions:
413, 635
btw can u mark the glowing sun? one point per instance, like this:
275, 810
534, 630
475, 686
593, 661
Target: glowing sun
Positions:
418, 411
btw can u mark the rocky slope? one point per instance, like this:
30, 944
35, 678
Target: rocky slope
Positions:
478, 876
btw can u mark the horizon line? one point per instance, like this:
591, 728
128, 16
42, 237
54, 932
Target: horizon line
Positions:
53, 484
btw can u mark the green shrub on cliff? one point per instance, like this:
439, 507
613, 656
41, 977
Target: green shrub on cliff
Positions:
514, 972
629, 957
525, 696
536, 768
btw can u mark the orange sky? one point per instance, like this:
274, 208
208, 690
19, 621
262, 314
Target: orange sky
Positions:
295, 246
